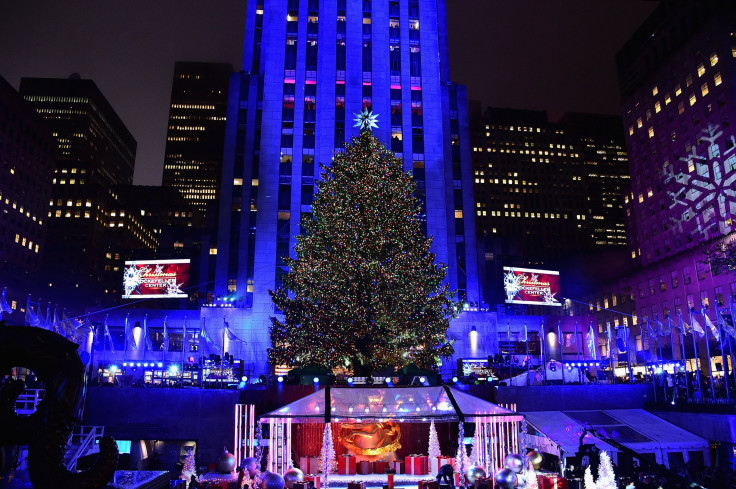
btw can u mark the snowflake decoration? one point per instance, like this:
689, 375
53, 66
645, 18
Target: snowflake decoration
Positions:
366, 120
159, 270
132, 279
172, 288
512, 284
549, 297
705, 191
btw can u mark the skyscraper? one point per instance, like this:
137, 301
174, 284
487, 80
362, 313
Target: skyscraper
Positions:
95, 152
196, 131
309, 66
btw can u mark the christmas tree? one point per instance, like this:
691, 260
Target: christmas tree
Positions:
363, 291
588, 482
327, 455
189, 468
530, 476
462, 463
434, 442
606, 477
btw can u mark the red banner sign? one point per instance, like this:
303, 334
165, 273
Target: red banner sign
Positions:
155, 279
530, 286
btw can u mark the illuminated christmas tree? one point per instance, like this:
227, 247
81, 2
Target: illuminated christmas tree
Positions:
363, 291
189, 468
327, 455
434, 442
530, 476
606, 477
588, 482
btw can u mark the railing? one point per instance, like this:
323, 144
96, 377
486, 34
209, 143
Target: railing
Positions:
28, 401
84, 438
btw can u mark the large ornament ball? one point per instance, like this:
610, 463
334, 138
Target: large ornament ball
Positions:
226, 463
474, 473
251, 465
535, 458
272, 481
506, 479
293, 475
514, 462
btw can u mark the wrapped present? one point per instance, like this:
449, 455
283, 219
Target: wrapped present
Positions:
396, 467
309, 465
427, 484
363, 467
417, 465
390, 481
437, 462
457, 478
380, 466
346, 465
314, 479
300, 485
551, 481
356, 485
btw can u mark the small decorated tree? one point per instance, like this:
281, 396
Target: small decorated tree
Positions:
462, 463
530, 476
434, 442
189, 468
588, 482
606, 477
327, 455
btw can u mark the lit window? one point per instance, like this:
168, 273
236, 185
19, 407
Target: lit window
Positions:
681, 107
213, 251
667, 99
713, 59
639, 123
704, 89
678, 90
692, 99
655, 90
657, 107
701, 70
651, 132
717, 79
631, 131
238, 181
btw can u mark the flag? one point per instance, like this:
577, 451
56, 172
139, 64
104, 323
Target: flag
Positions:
108, 336
4, 306
697, 327
713, 330
55, 324
129, 336
48, 324
184, 341
147, 345
31, 317
665, 331
166, 337
621, 339
591, 341
560, 339
727, 321
203, 334
526, 334
68, 326
230, 335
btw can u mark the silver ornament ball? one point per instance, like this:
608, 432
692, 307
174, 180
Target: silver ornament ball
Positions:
226, 463
293, 475
506, 479
272, 481
514, 462
474, 473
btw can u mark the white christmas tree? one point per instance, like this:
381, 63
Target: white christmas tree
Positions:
606, 477
327, 455
588, 482
189, 468
434, 442
462, 463
473, 459
530, 476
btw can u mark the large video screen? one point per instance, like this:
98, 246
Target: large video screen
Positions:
530, 286
155, 279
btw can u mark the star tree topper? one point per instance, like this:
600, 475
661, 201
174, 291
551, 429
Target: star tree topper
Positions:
366, 120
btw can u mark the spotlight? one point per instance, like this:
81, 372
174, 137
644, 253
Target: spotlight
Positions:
114, 368
350, 380
145, 365
159, 364
455, 379
138, 364
174, 369
280, 378
244, 378
673, 403
315, 380
125, 364
367, 410
422, 379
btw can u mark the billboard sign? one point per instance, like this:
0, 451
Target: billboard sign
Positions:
155, 279
530, 286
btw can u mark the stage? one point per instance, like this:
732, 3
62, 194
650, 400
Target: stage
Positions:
379, 480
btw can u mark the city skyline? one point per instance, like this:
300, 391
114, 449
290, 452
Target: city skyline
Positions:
534, 52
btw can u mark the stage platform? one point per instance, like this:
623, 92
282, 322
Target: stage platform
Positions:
379, 480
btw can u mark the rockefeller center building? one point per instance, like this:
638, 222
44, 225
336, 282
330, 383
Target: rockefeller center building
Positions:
677, 77
308, 68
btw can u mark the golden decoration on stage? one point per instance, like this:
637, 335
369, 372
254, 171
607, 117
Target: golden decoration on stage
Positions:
370, 438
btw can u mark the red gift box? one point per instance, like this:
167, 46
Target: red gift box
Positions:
437, 462
380, 466
417, 465
396, 467
428, 484
364, 467
551, 481
309, 465
346, 465
315, 479
356, 485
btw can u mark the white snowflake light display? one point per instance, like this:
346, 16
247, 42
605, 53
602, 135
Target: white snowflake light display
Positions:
365, 120
702, 191
132, 278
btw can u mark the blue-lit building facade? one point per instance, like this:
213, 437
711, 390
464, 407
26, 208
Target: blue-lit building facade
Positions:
308, 67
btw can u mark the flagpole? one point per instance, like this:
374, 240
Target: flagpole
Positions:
104, 347
542, 352
710, 362
659, 338
610, 354
695, 348
672, 337
145, 338
526, 359
628, 354
684, 357
723, 354
561, 341
577, 352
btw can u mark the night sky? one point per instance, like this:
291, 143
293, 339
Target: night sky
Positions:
532, 54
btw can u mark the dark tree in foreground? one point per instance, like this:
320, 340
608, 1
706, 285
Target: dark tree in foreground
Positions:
363, 291
722, 257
